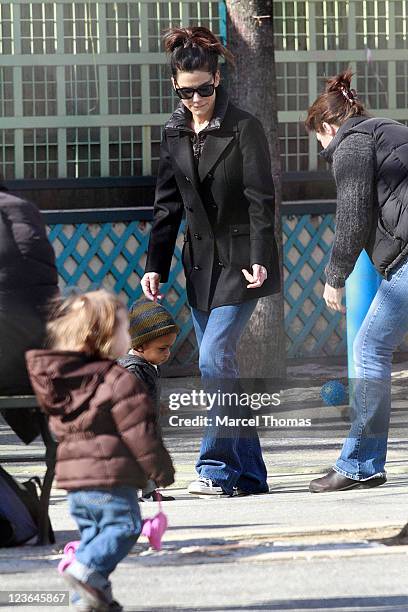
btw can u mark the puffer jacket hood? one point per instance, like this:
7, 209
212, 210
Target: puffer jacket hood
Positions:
65, 381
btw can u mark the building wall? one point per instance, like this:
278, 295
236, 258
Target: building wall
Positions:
318, 38
84, 88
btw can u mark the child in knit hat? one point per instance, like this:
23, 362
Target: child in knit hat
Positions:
153, 332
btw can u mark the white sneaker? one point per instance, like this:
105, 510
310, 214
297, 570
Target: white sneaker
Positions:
205, 486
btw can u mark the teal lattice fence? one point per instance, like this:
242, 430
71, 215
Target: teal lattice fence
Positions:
112, 253
311, 329
90, 255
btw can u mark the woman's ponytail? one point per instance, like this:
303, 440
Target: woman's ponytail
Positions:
336, 104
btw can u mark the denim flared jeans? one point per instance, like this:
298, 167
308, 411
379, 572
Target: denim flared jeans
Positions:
230, 458
364, 451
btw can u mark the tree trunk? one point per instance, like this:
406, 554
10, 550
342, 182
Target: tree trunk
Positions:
252, 86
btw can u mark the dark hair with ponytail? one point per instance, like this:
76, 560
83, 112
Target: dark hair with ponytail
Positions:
194, 48
336, 104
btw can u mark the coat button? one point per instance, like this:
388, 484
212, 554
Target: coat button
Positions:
221, 264
197, 268
198, 236
235, 231
188, 179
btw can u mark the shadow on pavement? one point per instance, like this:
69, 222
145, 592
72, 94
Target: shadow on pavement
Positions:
388, 603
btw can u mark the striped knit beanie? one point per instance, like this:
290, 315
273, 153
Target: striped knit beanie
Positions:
149, 320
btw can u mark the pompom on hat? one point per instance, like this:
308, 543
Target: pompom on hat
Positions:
149, 320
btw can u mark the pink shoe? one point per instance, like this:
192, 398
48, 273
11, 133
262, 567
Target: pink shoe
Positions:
154, 528
69, 555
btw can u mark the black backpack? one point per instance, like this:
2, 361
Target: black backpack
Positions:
19, 510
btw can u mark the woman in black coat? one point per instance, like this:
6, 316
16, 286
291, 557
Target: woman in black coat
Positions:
215, 167
28, 280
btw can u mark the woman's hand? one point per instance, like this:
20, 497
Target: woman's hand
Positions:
333, 298
150, 285
257, 278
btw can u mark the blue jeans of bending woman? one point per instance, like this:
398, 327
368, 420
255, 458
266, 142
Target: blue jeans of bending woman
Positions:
232, 459
364, 451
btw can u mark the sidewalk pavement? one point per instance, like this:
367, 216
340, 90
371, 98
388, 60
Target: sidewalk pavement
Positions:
287, 550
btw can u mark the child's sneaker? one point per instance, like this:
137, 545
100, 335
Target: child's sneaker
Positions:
156, 496
89, 595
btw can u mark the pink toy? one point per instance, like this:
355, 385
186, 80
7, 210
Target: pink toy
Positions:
69, 555
154, 528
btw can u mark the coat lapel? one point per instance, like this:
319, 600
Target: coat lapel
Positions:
215, 144
181, 151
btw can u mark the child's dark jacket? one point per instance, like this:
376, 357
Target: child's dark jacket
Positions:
103, 419
147, 373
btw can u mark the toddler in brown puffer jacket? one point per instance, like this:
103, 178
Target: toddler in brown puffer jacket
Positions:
109, 444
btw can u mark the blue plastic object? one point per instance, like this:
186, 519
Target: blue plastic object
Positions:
334, 393
361, 287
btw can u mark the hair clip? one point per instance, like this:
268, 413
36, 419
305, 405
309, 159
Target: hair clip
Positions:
348, 94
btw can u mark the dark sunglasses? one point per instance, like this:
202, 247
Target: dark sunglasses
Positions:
187, 93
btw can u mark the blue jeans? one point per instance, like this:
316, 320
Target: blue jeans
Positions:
234, 460
109, 522
364, 451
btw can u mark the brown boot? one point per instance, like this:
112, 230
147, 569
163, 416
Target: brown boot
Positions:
333, 481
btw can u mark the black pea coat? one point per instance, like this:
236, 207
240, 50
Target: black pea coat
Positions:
229, 206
